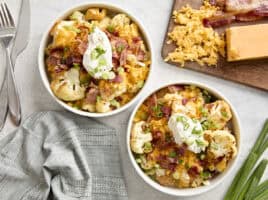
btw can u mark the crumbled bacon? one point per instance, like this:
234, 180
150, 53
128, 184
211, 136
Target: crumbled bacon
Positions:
166, 110
175, 88
73, 59
193, 171
123, 58
184, 101
167, 163
60, 68
91, 95
117, 79
157, 135
181, 150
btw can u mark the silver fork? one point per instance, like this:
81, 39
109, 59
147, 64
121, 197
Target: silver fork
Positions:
7, 33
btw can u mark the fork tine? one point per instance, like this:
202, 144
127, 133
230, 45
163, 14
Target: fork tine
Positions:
4, 16
2, 20
9, 16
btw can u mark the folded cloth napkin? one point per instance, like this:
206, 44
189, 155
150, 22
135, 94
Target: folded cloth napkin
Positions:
58, 155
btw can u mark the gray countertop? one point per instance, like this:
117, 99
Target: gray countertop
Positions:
251, 104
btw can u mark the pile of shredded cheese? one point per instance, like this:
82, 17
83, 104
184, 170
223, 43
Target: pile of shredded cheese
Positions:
194, 42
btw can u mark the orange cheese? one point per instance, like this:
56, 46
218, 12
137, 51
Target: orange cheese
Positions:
247, 42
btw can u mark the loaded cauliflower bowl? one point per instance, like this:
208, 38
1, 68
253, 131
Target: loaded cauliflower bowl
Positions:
184, 138
95, 59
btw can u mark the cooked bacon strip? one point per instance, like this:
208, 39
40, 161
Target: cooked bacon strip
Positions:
238, 10
219, 20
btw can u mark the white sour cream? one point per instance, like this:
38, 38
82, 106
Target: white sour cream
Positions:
97, 59
188, 131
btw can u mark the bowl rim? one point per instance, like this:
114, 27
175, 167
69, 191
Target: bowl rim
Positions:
187, 191
65, 13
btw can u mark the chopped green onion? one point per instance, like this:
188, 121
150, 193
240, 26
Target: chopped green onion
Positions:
205, 174
115, 103
196, 132
76, 65
120, 48
110, 28
147, 147
98, 98
241, 177
172, 154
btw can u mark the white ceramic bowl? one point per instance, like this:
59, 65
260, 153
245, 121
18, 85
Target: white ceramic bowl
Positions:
46, 37
188, 191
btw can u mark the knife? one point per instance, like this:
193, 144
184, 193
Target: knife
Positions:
3, 102
19, 44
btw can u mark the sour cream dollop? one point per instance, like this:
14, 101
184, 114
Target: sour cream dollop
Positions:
188, 131
97, 59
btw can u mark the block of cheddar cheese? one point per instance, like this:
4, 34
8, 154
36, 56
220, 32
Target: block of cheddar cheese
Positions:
247, 42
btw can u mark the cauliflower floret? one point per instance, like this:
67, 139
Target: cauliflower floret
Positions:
103, 106
67, 86
104, 23
221, 143
77, 15
139, 137
175, 101
95, 14
109, 90
219, 113
64, 34
120, 20
89, 107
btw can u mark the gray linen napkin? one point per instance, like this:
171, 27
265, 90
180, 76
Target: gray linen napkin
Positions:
58, 155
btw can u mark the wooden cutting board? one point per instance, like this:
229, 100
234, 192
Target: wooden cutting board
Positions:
253, 73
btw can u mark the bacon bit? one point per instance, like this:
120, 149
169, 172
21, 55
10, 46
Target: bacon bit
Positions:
123, 58
136, 39
157, 135
167, 163
60, 68
175, 88
117, 79
70, 60
166, 111
193, 171
116, 62
184, 101
91, 96
181, 150
82, 47
141, 55
54, 58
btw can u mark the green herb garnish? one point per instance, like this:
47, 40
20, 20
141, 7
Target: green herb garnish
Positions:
157, 110
120, 48
184, 121
205, 175
172, 154
196, 131
110, 28
97, 52
147, 147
